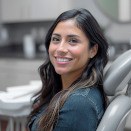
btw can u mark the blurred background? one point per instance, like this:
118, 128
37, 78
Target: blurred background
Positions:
23, 26
24, 23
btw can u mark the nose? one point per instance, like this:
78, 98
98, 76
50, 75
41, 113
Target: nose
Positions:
62, 48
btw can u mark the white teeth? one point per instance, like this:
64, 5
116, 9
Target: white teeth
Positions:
62, 60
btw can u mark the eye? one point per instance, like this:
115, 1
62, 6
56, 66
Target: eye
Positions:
55, 39
73, 41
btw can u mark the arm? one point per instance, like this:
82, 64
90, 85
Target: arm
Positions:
77, 114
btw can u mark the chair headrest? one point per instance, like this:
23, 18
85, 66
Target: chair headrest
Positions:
118, 74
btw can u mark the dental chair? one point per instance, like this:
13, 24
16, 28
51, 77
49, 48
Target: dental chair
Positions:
117, 86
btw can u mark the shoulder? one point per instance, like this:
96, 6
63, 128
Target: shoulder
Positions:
82, 110
86, 99
92, 95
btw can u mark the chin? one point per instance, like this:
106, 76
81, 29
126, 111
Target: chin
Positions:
60, 72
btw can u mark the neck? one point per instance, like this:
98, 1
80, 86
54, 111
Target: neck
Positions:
67, 80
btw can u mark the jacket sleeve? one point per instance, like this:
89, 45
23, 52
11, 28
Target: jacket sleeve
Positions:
78, 114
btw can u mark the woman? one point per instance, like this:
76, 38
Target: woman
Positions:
72, 97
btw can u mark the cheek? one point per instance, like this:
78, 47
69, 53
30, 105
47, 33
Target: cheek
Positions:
80, 52
82, 56
51, 49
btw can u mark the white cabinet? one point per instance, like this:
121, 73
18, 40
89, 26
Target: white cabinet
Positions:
48, 9
8, 8
31, 10
44, 9
14, 10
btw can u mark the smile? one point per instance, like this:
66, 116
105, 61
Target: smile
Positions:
63, 59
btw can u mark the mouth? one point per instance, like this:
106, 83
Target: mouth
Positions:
61, 59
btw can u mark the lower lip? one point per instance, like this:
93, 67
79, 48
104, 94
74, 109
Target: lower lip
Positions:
63, 63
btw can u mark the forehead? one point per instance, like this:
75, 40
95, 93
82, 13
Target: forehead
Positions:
68, 27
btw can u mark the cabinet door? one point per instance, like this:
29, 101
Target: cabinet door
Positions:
32, 10
10, 10
15, 10
44, 9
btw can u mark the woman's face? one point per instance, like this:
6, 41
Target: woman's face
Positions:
69, 49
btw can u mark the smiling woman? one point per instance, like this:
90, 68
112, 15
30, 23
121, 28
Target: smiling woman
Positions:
72, 96
66, 51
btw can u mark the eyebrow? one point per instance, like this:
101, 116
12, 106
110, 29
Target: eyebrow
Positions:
56, 34
70, 35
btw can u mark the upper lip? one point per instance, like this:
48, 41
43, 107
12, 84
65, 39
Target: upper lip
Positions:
63, 57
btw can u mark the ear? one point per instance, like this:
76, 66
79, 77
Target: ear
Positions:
93, 50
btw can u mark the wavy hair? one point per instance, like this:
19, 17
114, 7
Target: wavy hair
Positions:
51, 93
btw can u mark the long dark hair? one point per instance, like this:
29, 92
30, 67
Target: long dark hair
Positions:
51, 93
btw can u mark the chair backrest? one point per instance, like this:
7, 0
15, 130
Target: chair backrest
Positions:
117, 84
